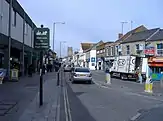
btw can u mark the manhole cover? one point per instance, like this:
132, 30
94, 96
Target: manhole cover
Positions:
6, 106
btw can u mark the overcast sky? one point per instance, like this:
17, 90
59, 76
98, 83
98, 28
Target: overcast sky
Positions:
92, 20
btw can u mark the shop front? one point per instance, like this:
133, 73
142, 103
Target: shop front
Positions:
156, 68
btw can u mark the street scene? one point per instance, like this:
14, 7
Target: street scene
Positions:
73, 62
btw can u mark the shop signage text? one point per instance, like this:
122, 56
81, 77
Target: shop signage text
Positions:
41, 39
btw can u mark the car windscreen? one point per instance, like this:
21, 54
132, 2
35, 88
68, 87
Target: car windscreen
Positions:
82, 70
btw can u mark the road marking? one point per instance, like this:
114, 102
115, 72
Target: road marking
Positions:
67, 105
127, 93
135, 117
145, 96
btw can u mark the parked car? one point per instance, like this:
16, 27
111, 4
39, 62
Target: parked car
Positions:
82, 74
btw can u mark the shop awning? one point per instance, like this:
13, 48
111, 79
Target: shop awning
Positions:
156, 59
156, 64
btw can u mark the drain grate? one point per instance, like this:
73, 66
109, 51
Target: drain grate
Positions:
6, 106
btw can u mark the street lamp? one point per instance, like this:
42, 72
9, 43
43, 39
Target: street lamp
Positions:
54, 26
124, 22
61, 46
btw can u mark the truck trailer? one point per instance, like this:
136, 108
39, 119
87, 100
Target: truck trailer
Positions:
126, 67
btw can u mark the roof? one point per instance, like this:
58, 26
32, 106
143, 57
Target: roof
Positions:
158, 35
94, 46
140, 28
86, 46
138, 36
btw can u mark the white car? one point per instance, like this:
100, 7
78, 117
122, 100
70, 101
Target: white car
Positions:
82, 74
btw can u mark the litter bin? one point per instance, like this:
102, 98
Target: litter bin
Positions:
14, 75
108, 78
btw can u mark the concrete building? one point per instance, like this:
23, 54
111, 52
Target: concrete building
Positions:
137, 42
69, 51
22, 32
84, 55
100, 55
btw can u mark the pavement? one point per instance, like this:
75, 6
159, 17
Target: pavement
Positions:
120, 101
16, 96
51, 103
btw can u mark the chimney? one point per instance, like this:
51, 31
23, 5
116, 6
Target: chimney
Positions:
120, 35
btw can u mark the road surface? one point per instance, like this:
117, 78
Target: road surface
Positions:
99, 102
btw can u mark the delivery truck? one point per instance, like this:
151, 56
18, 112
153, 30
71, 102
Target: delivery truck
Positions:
126, 67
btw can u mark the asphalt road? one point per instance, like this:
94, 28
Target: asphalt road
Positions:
97, 102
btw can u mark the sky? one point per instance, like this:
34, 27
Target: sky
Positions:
92, 20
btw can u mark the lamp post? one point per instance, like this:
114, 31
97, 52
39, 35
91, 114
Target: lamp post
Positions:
54, 26
124, 22
9, 37
61, 47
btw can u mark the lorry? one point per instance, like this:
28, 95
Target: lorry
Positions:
126, 67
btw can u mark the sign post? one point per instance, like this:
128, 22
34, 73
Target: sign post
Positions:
41, 43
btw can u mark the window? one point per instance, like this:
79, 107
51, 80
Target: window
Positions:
14, 18
128, 49
137, 46
82, 70
160, 49
112, 51
93, 64
116, 50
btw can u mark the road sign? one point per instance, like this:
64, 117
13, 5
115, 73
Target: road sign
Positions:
42, 36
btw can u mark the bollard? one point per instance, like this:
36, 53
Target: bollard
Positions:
148, 85
108, 79
58, 78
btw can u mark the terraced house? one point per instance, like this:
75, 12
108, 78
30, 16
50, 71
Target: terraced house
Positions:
22, 32
115, 49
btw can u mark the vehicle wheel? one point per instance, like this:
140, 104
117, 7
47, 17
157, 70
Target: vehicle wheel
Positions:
122, 77
89, 82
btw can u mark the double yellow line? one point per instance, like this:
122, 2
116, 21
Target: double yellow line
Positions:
67, 105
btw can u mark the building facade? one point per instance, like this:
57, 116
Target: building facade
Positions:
100, 54
21, 32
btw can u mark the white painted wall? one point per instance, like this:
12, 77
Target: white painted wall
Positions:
17, 31
4, 17
27, 38
92, 55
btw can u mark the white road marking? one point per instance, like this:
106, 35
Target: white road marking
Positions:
127, 93
65, 105
68, 106
135, 117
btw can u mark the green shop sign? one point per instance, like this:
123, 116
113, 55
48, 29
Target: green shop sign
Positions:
41, 38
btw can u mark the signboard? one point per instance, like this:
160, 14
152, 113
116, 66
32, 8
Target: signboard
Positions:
149, 51
93, 59
41, 39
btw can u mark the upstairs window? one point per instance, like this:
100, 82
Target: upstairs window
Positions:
127, 49
160, 49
